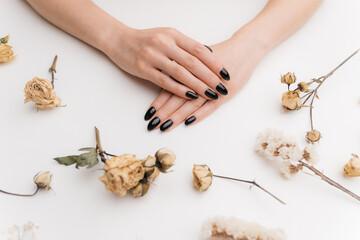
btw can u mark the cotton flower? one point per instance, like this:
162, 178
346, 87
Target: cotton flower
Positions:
291, 100
352, 168
310, 154
166, 158
43, 180
313, 136
230, 228
202, 177
288, 78
6, 53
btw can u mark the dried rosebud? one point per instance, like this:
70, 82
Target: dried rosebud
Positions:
303, 86
165, 158
40, 91
6, 53
122, 173
291, 100
151, 170
288, 78
140, 190
4, 40
352, 168
202, 177
43, 180
313, 136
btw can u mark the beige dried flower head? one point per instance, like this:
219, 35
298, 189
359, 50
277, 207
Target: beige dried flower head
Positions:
40, 91
166, 158
6, 53
291, 100
313, 136
140, 190
288, 78
304, 86
151, 170
122, 173
202, 177
310, 154
43, 180
352, 168
289, 169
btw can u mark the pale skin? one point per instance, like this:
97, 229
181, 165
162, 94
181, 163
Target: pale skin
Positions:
162, 55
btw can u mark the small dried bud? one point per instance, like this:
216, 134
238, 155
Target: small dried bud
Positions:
352, 168
4, 40
6, 53
202, 177
140, 190
151, 170
43, 180
288, 78
303, 86
313, 136
166, 159
291, 100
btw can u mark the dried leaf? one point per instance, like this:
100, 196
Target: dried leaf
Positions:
88, 159
317, 96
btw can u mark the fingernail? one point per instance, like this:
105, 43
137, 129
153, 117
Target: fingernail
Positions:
153, 123
221, 89
224, 74
150, 113
190, 120
211, 94
166, 125
208, 48
191, 95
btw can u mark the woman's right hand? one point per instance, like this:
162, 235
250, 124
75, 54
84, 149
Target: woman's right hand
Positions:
162, 55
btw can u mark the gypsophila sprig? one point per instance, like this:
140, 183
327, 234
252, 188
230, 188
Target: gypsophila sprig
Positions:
6, 52
123, 173
285, 152
299, 97
203, 178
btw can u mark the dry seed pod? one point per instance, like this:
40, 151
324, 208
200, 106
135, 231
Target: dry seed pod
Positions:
352, 168
288, 78
166, 158
313, 136
202, 177
43, 180
291, 100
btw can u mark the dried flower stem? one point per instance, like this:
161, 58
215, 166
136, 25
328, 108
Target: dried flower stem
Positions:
253, 184
98, 145
328, 180
21, 195
52, 70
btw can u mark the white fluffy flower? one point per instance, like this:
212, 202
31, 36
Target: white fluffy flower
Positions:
288, 169
311, 154
233, 228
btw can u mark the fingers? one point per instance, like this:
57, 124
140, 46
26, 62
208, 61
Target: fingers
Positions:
204, 111
157, 103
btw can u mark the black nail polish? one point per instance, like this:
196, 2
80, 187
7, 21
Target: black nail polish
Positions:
211, 94
191, 95
153, 123
150, 113
208, 48
166, 125
190, 120
224, 74
221, 89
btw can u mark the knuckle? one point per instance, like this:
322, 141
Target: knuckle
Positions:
170, 31
162, 81
190, 62
198, 48
178, 72
140, 65
198, 103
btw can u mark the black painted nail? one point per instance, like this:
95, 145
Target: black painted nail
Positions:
150, 113
191, 95
208, 48
221, 89
190, 120
153, 123
211, 94
166, 125
224, 74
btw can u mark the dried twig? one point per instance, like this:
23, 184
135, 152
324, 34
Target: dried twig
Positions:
52, 70
98, 145
21, 195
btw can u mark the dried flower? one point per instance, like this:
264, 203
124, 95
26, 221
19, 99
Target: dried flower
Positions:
310, 154
304, 86
151, 170
4, 40
202, 177
26, 231
288, 78
43, 180
122, 173
291, 100
6, 53
313, 136
288, 169
40, 91
231, 228
165, 158
352, 168
140, 190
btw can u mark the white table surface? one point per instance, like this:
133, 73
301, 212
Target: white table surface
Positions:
98, 93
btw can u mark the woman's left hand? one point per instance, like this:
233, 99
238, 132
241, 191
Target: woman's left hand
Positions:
239, 54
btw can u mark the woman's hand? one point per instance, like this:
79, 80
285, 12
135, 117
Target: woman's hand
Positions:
162, 55
240, 54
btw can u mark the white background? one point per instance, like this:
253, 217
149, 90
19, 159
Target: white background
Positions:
98, 93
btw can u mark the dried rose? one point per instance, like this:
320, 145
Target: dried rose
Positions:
151, 170
288, 78
291, 100
43, 180
6, 53
352, 168
166, 158
303, 86
40, 91
313, 136
202, 177
140, 190
122, 173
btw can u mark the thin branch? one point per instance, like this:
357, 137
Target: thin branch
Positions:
98, 145
21, 195
52, 70
311, 109
329, 180
253, 183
